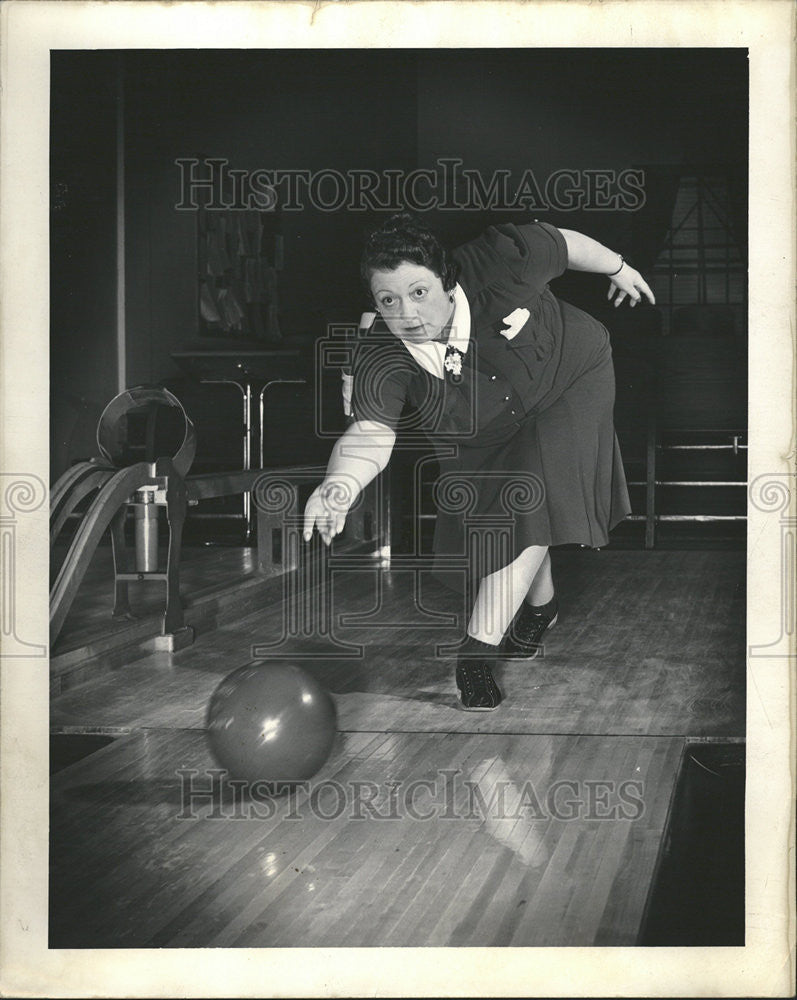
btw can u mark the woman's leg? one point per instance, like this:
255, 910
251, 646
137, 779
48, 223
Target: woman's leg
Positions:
541, 590
500, 594
538, 612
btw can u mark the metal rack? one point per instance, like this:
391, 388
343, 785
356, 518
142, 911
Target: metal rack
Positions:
731, 440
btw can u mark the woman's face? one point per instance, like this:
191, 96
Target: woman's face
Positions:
412, 302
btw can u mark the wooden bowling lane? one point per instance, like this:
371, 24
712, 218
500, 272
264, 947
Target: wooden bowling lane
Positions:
402, 839
647, 643
202, 568
540, 823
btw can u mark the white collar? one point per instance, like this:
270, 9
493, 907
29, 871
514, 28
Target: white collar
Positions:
430, 356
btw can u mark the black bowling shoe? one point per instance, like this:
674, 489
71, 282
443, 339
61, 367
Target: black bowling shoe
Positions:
523, 641
478, 691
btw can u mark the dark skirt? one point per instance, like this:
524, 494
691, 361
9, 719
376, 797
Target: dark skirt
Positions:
556, 478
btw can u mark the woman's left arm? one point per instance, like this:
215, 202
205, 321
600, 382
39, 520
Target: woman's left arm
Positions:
586, 254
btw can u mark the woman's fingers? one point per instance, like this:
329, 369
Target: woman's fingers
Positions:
327, 521
633, 287
332, 527
645, 288
323, 525
315, 516
309, 521
618, 292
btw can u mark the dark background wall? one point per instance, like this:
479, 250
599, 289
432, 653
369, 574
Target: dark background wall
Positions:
82, 245
580, 110
508, 109
293, 109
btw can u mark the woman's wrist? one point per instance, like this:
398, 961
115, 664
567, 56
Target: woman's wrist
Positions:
586, 254
338, 491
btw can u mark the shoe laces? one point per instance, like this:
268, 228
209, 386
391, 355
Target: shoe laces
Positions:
530, 627
476, 674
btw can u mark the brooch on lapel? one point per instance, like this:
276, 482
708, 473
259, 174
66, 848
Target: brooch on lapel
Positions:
453, 362
515, 321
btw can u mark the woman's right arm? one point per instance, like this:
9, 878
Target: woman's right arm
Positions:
358, 457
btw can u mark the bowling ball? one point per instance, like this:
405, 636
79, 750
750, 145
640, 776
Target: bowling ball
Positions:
271, 722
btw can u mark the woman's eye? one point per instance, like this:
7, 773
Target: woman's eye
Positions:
419, 293
387, 301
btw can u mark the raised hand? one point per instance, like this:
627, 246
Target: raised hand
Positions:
629, 283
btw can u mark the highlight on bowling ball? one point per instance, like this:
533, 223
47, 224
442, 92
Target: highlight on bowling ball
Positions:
271, 723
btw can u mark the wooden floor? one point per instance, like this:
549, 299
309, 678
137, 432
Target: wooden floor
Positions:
540, 823
203, 569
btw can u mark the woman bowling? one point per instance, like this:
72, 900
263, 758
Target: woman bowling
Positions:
515, 389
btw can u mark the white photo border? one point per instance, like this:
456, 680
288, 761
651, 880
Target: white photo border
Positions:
28, 32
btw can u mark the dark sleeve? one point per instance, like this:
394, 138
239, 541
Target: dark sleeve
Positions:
509, 256
382, 374
536, 251
547, 252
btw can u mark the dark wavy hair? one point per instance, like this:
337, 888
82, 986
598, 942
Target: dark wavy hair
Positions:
402, 238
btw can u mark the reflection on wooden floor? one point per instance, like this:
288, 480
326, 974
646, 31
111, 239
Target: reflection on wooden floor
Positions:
540, 823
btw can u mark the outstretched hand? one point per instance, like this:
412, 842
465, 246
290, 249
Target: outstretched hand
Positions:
326, 510
629, 283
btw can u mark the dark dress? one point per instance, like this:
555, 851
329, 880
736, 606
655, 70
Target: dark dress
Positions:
525, 437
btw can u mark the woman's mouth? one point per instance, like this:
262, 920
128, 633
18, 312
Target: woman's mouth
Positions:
419, 334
